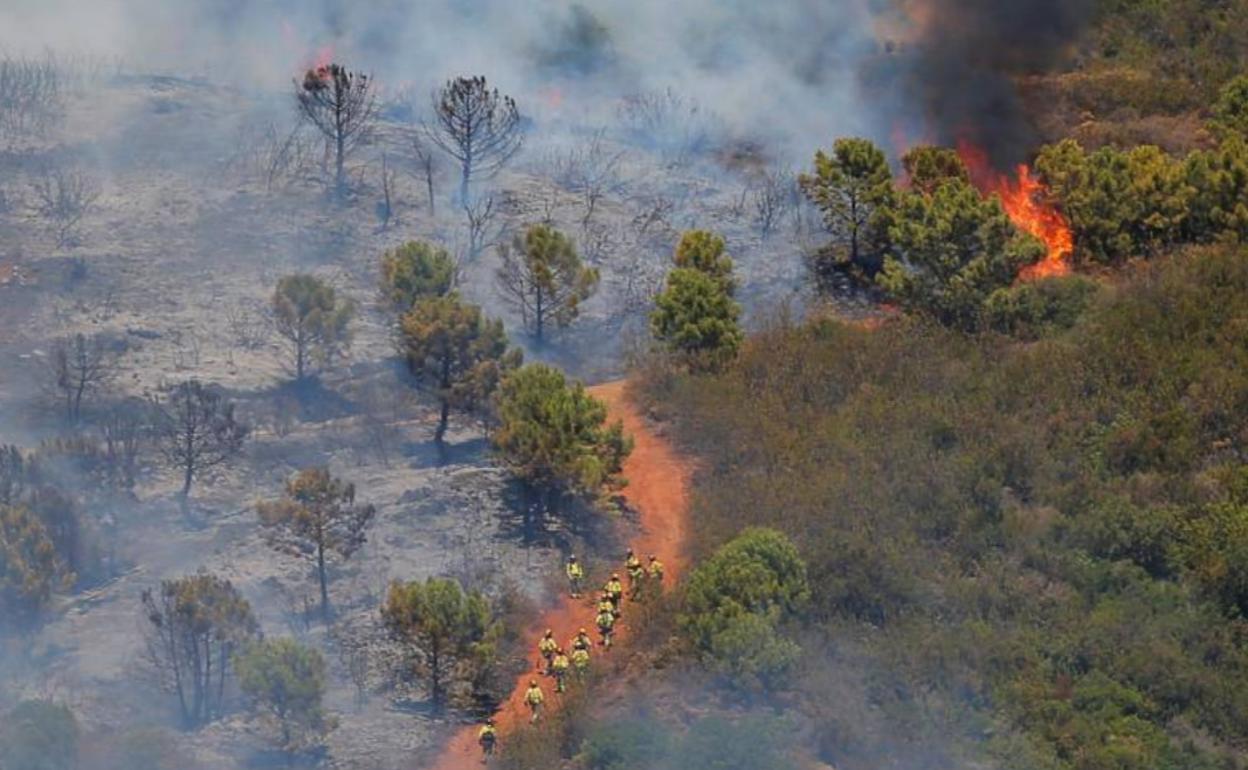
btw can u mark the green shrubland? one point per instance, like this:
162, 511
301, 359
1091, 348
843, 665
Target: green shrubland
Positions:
1028, 552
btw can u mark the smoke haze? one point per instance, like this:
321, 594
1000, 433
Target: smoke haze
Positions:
786, 69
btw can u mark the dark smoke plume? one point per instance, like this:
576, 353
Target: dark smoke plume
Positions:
956, 66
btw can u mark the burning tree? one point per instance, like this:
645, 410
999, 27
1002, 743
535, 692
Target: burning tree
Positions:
341, 105
319, 514
477, 127
953, 249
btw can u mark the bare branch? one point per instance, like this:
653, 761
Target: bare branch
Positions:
64, 195
341, 105
477, 127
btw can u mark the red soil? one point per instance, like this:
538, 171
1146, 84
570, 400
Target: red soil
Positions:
658, 488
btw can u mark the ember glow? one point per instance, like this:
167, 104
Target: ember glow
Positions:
323, 58
1023, 199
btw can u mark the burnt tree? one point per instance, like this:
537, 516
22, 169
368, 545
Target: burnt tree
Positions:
195, 624
341, 105
477, 127
80, 366
197, 430
318, 513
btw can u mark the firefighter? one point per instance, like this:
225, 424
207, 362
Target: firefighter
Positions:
576, 576
559, 666
582, 641
636, 574
487, 738
580, 661
615, 590
655, 571
605, 622
547, 648
606, 605
533, 698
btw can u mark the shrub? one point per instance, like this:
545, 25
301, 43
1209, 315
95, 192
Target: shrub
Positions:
39, 735
1031, 310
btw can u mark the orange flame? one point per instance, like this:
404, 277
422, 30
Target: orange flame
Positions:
552, 97
323, 58
1023, 201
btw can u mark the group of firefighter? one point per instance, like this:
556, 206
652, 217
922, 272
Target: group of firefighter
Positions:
559, 661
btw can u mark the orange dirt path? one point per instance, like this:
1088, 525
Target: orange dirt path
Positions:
658, 488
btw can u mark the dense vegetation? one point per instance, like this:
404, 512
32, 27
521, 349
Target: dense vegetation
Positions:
1041, 549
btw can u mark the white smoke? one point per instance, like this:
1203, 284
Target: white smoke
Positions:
785, 72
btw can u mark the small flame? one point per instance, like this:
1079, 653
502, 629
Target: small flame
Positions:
323, 58
1023, 201
552, 97
297, 48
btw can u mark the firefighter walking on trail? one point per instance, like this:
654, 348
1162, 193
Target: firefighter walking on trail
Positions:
655, 573
606, 605
615, 590
582, 641
559, 666
605, 622
533, 698
576, 577
636, 574
487, 738
547, 648
580, 661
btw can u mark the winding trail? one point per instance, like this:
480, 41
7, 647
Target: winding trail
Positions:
658, 488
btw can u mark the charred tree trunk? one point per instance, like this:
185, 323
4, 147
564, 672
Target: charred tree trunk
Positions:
539, 316
320, 571
444, 396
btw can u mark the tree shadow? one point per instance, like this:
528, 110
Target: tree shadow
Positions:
316, 401
261, 759
430, 453
557, 520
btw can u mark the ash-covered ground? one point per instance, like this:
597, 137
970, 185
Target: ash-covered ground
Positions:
207, 195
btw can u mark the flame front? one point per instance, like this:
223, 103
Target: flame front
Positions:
1023, 201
